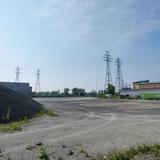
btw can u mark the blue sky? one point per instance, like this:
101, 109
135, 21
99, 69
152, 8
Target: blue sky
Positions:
66, 39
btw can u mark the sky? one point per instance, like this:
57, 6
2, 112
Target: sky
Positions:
66, 40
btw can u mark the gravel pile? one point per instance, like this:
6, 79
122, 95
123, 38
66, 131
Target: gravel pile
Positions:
15, 105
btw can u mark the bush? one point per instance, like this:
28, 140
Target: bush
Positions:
102, 96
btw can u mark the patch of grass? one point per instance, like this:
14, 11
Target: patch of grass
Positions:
43, 153
13, 126
83, 150
17, 125
6, 117
102, 96
130, 153
115, 97
47, 112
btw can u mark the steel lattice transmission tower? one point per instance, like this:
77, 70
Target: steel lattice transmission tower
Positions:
119, 76
17, 74
38, 88
108, 78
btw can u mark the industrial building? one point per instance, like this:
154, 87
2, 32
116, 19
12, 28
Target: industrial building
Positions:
24, 88
141, 87
146, 85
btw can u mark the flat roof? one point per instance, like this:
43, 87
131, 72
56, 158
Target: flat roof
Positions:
143, 81
146, 82
151, 83
14, 82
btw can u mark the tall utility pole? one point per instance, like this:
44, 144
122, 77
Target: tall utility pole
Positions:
119, 76
108, 78
38, 88
17, 74
96, 85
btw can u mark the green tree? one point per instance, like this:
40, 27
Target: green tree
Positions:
78, 92
111, 89
82, 92
56, 93
66, 91
93, 93
75, 91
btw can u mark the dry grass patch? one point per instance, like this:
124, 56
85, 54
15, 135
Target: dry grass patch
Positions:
17, 125
13, 126
133, 153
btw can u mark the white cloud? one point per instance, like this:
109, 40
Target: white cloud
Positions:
118, 21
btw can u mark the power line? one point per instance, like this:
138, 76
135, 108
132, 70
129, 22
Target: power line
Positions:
17, 74
119, 76
108, 77
38, 88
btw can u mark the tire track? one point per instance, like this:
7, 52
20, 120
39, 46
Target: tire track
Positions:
112, 118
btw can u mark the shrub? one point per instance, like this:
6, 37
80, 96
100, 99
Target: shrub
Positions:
43, 154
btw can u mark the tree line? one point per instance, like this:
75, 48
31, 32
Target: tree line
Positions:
74, 92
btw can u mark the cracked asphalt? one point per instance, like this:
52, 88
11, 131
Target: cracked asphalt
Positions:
88, 124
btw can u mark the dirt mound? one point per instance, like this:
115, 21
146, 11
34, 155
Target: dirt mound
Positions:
15, 105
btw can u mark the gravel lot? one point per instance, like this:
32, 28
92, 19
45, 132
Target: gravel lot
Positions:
84, 128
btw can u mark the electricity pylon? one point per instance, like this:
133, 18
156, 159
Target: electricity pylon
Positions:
108, 77
38, 88
119, 76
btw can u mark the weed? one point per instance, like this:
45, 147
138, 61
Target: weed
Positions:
16, 125
13, 126
8, 115
132, 152
82, 150
43, 154
26, 120
46, 112
10, 127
